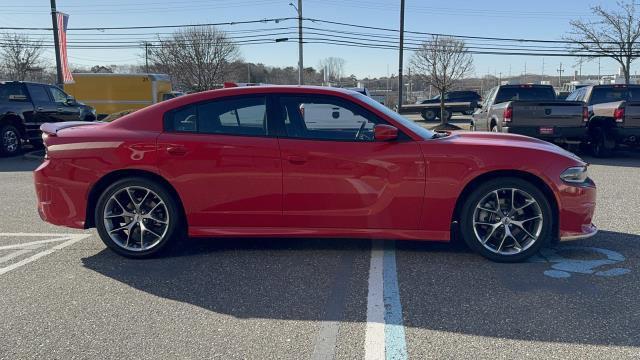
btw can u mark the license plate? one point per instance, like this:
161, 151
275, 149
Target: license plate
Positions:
546, 130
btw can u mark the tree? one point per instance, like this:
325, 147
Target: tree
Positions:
333, 68
20, 56
442, 61
197, 58
613, 34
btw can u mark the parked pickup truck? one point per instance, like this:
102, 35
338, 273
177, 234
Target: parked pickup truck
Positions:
464, 102
532, 110
614, 116
24, 106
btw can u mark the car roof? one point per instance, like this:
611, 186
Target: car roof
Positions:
2, 82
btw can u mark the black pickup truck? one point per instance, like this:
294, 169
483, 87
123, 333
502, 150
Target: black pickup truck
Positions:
24, 106
614, 116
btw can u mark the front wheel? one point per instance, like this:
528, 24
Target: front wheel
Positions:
429, 114
506, 220
137, 217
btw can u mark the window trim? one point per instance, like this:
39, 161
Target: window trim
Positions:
167, 124
279, 116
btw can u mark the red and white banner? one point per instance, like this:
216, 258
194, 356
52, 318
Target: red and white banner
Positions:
63, 20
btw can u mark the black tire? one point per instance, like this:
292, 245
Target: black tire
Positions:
175, 229
472, 238
602, 144
430, 114
10, 141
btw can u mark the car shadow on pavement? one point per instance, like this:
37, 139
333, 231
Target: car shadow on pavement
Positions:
442, 287
627, 158
18, 163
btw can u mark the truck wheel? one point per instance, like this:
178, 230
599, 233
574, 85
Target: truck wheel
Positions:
494, 128
11, 141
602, 144
429, 114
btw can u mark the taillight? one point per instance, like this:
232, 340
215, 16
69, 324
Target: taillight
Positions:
619, 115
508, 114
585, 114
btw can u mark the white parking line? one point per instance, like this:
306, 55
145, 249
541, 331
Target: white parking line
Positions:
374, 336
70, 240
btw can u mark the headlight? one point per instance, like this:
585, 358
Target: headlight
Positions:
575, 175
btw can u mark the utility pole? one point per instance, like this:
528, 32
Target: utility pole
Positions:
542, 78
56, 42
525, 72
248, 73
401, 50
300, 62
146, 57
560, 71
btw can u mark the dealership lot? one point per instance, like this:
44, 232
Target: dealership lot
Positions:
63, 295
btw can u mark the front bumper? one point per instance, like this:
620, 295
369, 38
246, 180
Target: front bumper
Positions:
576, 205
588, 231
557, 135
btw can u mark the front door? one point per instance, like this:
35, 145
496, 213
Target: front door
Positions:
64, 111
220, 157
336, 176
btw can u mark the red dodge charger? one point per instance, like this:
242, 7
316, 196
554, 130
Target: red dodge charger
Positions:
276, 161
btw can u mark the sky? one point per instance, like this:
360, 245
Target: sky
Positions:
540, 19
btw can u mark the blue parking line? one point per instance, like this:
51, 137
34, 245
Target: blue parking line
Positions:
395, 343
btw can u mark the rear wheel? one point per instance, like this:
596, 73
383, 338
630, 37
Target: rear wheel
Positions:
602, 144
429, 114
506, 220
137, 217
11, 142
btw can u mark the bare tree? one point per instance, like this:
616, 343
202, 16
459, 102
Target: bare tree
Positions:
442, 61
614, 34
333, 68
197, 58
20, 56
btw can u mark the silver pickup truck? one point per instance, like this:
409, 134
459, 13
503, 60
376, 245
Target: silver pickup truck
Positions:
532, 110
614, 116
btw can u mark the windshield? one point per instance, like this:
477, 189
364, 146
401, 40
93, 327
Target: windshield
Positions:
419, 130
525, 93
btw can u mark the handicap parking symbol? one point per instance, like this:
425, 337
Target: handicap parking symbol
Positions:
566, 261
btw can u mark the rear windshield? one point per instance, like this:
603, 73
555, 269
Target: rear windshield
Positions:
601, 95
7, 90
525, 93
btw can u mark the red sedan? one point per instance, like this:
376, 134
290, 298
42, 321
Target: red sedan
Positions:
286, 161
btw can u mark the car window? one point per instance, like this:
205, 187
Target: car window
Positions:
573, 96
38, 94
183, 119
9, 89
240, 116
525, 93
326, 118
58, 95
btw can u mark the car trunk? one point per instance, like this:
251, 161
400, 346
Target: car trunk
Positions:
547, 113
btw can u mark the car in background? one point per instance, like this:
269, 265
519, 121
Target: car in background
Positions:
361, 90
24, 106
614, 116
532, 110
243, 162
463, 97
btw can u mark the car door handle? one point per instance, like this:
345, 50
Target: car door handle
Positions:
296, 159
176, 150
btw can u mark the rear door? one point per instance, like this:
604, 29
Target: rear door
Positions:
223, 160
44, 107
336, 176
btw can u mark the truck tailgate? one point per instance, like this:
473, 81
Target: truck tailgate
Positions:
547, 113
631, 115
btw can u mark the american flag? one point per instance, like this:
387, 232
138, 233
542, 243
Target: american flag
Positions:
63, 20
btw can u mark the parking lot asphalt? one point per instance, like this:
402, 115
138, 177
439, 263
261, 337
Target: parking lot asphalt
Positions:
66, 296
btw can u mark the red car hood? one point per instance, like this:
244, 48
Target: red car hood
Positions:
500, 140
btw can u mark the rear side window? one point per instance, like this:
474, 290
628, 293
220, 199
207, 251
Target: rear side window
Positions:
38, 94
234, 116
7, 90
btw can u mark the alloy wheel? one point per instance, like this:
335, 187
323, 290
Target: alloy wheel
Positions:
10, 141
507, 221
136, 218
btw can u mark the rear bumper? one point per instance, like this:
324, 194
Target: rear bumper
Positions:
60, 201
626, 135
557, 135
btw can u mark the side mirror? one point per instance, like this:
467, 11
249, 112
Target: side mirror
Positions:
71, 101
382, 132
